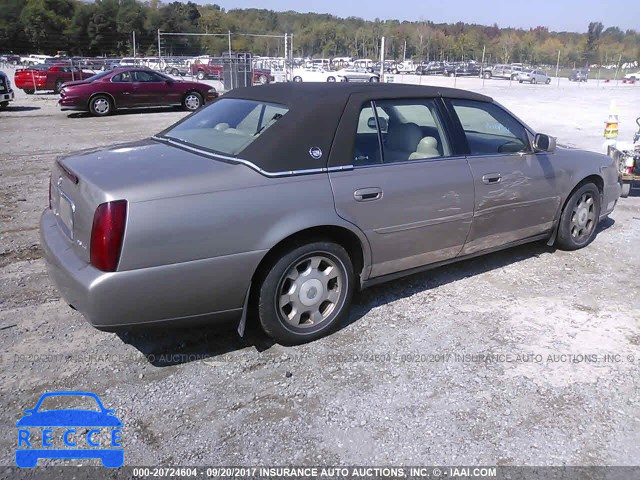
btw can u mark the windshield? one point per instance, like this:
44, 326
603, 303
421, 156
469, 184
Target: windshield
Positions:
228, 125
97, 76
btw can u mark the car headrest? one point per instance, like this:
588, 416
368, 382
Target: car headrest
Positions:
427, 145
404, 137
221, 126
427, 148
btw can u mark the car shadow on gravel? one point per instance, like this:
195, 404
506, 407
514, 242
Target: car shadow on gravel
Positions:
164, 347
405, 287
19, 108
131, 111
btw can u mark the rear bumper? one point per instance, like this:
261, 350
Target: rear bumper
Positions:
207, 290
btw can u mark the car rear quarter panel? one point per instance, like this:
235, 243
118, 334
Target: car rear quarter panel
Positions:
253, 217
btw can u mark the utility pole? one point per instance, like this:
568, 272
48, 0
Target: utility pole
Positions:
382, 59
134, 45
231, 71
404, 54
159, 53
286, 57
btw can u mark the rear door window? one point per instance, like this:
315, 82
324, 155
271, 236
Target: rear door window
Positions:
391, 131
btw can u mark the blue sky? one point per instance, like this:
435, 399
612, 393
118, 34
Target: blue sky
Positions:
558, 15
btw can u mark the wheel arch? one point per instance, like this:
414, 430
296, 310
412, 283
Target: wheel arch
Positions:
343, 236
593, 178
597, 180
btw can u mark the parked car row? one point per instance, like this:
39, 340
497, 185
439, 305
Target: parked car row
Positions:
349, 74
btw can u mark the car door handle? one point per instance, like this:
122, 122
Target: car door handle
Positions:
367, 194
491, 178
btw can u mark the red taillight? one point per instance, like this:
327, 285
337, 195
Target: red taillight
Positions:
630, 170
107, 235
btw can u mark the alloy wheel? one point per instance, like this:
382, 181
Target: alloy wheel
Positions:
101, 106
192, 101
310, 291
583, 218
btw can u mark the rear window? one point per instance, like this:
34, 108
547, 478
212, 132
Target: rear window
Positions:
228, 125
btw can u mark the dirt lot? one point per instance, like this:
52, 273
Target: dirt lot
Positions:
402, 383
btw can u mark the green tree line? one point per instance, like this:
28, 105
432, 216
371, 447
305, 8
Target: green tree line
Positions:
104, 28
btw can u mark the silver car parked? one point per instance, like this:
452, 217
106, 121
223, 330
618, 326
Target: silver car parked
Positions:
534, 76
285, 199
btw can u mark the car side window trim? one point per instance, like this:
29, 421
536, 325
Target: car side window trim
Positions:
374, 108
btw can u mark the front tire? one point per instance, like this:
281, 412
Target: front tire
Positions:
331, 79
374, 79
297, 79
4, 105
487, 75
100, 106
625, 190
533, 81
306, 293
548, 81
201, 75
192, 101
579, 218
58, 86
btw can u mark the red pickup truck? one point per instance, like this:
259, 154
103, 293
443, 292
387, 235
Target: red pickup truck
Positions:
215, 69
47, 77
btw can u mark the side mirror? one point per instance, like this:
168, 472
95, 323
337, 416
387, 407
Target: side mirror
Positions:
544, 143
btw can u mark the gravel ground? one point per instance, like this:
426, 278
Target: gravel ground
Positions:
406, 381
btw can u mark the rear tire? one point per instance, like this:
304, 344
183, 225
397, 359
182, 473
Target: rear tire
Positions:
100, 106
626, 190
192, 101
297, 79
374, 79
579, 219
331, 79
548, 81
306, 293
487, 75
533, 81
58, 86
4, 105
201, 75
29, 91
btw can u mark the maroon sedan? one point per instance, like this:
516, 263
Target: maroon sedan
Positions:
132, 87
